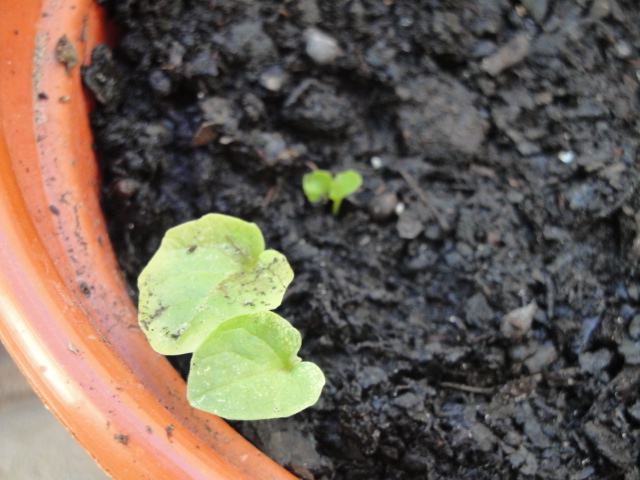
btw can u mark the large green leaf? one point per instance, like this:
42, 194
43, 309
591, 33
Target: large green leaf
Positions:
248, 369
205, 272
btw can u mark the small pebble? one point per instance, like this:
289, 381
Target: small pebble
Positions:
322, 48
408, 401
366, 240
510, 54
125, 187
272, 146
600, 9
409, 225
515, 324
623, 50
160, 82
206, 133
273, 78
477, 310
537, 9
567, 157
376, 162
383, 206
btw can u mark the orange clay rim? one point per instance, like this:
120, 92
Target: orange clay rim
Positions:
65, 316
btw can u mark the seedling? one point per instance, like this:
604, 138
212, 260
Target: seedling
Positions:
320, 184
208, 290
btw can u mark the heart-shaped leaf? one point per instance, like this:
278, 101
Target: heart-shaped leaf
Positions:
248, 369
205, 272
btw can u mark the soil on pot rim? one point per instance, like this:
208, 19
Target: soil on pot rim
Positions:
475, 306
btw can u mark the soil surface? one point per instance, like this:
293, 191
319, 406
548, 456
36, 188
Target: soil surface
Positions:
476, 305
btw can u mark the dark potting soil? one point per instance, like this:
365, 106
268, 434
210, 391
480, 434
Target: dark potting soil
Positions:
476, 305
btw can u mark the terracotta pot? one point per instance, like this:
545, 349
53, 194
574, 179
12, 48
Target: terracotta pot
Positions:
65, 316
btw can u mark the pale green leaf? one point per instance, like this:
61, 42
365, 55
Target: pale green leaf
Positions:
316, 185
343, 184
205, 272
248, 369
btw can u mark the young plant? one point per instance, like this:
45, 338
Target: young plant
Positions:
320, 184
208, 291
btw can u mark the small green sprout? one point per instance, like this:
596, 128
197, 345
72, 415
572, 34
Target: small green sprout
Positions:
208, 291
320, 184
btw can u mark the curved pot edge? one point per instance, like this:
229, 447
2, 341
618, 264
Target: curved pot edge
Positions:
48, 326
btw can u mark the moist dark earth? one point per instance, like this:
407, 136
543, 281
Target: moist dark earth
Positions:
475, 306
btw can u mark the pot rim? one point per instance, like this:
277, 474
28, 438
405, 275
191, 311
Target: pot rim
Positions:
65, 315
